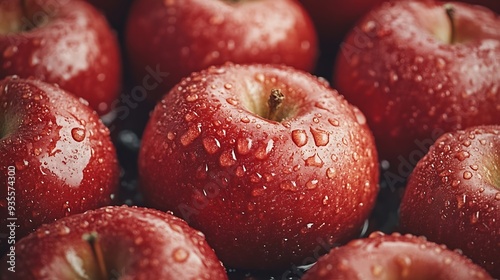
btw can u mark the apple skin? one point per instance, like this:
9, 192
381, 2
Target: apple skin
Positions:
334, 18
394, 256
453, 195
265, 193
180, 37
136, 243
64, 159
413, 86
76, 48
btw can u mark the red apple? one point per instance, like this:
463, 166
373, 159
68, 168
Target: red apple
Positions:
67, 42
114, 243
57, 157
420, 69
175, 38
453, 195
334, 18
267, 161
394, 257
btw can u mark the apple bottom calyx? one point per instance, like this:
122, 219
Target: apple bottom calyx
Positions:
93, 240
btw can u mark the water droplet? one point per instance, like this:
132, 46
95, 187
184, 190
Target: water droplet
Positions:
192, 97
258, 191
440, 63
463, 155
474, 217
330, 173
170, 136
393, 77
263, 152
211, 145
245, 120
321, 137
240, 171
289, 186
64, 230
228, 86
180, 255
193, 132
78, 134
455, 183
138, 241
325, 200
314, 160
21, 165
461, 200
311, 185
227, 158
369, 26
334, 122
474, 167
467, 175
299, 137
497, 196
355, 156
232, 101
10, 51
243, 145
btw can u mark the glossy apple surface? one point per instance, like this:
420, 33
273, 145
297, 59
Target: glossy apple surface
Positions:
394, 256
453, 196
414, 82
67, 42
62, 156
266, 188
176, 38
131, 243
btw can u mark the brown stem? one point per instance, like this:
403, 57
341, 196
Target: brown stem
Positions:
275, 101
93, 241
450, 12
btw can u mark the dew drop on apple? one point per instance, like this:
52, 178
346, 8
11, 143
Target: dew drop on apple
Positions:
299, 137
497, 196
313, 184
314, 160
78, 134
227, 158
321, 137
193, 132
264, 151
243, 146
258, 191
289, 186
330, 173
10, 51
467, 175
232, 101
21, 165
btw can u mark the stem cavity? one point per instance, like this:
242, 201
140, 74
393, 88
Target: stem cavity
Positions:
450, 12
93, 241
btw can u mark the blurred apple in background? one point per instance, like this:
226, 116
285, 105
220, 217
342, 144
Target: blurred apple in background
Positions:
175, 38
394, 256
453, 196
61, 155
67, 42
420, 69
115, 243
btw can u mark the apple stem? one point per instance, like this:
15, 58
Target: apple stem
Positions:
450, 12
275, 101
93, 241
